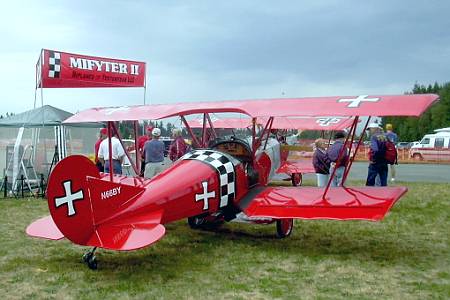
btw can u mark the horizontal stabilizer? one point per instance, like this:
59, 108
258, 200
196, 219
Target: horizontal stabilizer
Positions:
353, 203
44, 228
129, 234
92, 211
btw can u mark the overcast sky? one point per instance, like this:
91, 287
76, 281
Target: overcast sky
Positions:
217, 50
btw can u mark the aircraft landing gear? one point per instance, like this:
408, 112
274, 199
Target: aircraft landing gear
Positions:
90, 259
284, 227
196, 222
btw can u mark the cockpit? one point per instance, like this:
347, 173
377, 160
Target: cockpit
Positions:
236, 147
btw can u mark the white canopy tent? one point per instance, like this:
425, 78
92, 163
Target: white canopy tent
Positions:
32, 141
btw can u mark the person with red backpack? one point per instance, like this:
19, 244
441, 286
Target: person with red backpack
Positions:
378, 165
393, 138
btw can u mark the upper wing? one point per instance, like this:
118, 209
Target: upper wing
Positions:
225, 123
304, 123
358, 203
364, 105
300, 166
313, 123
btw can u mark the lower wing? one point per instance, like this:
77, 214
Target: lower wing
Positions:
300, 166
352, 203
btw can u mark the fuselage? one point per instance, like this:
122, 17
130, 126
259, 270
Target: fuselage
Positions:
206, 182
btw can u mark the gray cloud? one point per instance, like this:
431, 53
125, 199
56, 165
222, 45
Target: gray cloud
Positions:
235, 49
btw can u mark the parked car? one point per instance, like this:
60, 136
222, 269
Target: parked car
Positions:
412, 144
433, 146
403, 145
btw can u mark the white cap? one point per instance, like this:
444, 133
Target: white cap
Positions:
373, 125
156, 132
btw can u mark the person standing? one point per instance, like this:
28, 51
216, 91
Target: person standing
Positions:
377, 161
178, 147
141, 142
154, 155
393, 138
102, 135
336, 162
321, 163
118, 154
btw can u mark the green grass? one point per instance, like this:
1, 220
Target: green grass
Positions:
407, 255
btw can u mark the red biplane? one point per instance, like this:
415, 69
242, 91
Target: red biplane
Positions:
222, 181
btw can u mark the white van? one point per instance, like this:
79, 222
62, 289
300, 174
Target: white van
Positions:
434, 147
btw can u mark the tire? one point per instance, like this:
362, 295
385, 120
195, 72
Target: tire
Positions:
417, 156
284, 228
296, 179
196, 222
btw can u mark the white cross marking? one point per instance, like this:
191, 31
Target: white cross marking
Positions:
110, 111
69, 198
356, 102
205, 196
327, 121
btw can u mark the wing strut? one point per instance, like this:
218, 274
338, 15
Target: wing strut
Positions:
341, 154
136, 170
136, 148
352, 159
111, 169
191, 133
348, 166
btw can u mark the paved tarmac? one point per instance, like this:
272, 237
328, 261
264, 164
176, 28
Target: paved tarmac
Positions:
405, 172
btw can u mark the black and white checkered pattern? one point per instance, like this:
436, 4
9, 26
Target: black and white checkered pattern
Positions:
225, 169
54, 64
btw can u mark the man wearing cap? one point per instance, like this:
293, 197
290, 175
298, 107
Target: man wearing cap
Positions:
378, 165
118, 154
338, 162
102, 135
141, 142
393, 138
154, 155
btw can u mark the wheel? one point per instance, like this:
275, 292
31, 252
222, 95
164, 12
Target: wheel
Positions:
87, 256
196, 222
92, 263
296, 179
417, 156
284, 227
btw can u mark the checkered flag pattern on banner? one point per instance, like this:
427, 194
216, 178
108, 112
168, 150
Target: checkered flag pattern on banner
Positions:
225, 169
54, 64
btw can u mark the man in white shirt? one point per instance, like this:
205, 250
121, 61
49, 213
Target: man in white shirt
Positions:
118, 154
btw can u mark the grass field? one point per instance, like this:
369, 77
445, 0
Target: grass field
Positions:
407, 256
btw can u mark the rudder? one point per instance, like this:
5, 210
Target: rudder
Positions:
80, 202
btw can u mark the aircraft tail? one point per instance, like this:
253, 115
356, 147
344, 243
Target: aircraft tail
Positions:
89, 210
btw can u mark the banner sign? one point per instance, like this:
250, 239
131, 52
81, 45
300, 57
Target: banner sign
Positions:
56, 69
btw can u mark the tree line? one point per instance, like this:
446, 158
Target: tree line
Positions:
126, 128
7, 115
437, 116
